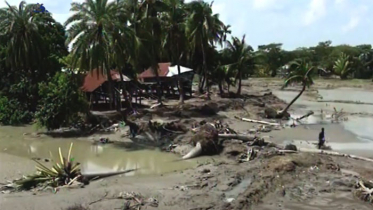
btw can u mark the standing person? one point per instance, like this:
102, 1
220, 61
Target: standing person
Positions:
321, 138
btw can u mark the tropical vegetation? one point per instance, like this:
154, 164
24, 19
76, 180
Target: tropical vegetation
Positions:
129, 36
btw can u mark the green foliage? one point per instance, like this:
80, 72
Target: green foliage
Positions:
300, 71
12, 112
60, 174
342, 66
61, 102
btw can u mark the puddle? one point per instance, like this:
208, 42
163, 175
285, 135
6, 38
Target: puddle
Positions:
93, 158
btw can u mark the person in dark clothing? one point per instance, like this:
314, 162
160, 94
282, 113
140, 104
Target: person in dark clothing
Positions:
321, 138
134, 128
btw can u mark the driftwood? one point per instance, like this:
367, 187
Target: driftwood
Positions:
306, 115
244, 138
318, 151
106, 174
257, 121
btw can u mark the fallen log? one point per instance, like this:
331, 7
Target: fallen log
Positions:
257, 121
318, 151
304, 116
244, 138
106, 174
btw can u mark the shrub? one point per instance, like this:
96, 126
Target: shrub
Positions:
61, 102
13, 112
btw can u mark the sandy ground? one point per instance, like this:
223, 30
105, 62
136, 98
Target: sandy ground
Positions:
292, 181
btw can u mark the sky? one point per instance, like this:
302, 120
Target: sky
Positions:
295, 23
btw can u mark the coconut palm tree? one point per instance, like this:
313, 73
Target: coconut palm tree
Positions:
98, 33
175, 40
241, 54
300, 72
341, 66
26, 50
151, 30
203, 28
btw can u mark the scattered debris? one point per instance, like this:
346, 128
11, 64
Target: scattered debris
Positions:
257, 121
365, 191
136, 200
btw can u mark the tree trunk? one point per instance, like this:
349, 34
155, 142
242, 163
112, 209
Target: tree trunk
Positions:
205, 71
239, 82
124, 90
111, 88
220, 85
296, 98
181, 88
159, 94
201, 82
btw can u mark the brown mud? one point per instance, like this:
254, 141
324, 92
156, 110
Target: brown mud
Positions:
225, 181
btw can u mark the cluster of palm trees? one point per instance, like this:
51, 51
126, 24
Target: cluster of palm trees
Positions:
105, 35
148, 32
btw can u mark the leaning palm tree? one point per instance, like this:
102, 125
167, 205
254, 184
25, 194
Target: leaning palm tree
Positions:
241, 54
203, 28
300, 72
96, 28
341, 66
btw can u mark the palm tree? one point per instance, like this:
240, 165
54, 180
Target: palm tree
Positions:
203, 28
175, 39
25, 50
241, 55
341, 66
151, 29
226, 31
98, 34
300, 72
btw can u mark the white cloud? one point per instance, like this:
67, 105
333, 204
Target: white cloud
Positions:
356, 15
316, 10
354, 21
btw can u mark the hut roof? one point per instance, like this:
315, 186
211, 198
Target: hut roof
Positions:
95, 78
162, 71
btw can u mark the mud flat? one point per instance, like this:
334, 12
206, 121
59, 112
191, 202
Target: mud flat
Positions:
271, 180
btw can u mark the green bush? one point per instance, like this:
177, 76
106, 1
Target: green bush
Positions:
13, 112
61, 103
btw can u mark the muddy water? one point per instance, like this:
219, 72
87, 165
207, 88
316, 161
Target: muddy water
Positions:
93, 158
362, 143
347, 94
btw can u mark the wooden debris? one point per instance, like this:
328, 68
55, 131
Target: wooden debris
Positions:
306, 115
257, 121
328, 153
244, 138
364, 193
